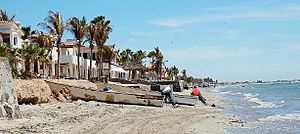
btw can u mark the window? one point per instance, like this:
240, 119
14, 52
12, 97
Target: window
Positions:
15, 40
94, 56
6, 40
68, 52
85, 55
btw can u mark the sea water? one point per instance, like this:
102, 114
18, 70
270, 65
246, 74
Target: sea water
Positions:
265, 108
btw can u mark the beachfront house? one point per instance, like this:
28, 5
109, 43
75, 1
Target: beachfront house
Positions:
111, 66
135, 71
11, 33
69, 62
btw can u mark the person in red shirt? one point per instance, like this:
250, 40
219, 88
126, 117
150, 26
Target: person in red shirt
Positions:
196, 92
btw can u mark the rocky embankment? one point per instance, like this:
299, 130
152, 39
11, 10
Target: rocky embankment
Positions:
32, 91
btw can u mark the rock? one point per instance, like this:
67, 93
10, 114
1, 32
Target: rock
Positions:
9, 106
213, 105
63, 95
32, 91
61, 98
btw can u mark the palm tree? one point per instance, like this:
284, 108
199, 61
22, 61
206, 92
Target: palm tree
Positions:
173, 72
139, 56
7, 51
78, 28
90, 37
29, 53
33, 53
156, 60
26, 31
108, 54
190, 79
126, 56
137, 60
45, 42
43, 57
55, 25
5, 17
184, 76
103, 29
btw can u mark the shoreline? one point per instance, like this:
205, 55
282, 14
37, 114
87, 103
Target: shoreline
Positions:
99, 117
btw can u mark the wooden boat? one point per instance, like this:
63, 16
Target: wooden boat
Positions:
110, 97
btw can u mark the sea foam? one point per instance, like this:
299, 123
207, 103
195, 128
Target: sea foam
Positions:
261, 104
280, 117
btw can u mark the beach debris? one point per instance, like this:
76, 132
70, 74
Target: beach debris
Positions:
236, 121
213, 105
106, 88
63, 95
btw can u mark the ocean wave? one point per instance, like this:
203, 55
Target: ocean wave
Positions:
250, 96
267, 105
261, 104
216, 90
237, 93
280, 117
226, 92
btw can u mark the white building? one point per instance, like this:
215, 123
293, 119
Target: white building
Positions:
68, 62
11, 33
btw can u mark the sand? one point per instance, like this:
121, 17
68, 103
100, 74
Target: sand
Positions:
96, 117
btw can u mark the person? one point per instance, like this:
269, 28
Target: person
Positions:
196, 92
168, 93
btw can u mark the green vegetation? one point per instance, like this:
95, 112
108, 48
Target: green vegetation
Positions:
56, 27
102, 30
90, 37
157, 60
7, 51
5, 17
78, 29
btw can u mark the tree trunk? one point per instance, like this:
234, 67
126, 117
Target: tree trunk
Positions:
101, 65
78, 62
58, 58
50, 70
129, 75
8, 99
91, 58
27, 65
35, 66
160, 71
44, 67
109, 62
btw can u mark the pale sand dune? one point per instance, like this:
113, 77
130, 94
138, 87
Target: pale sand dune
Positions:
102, 118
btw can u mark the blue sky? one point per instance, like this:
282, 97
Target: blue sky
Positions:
227, 40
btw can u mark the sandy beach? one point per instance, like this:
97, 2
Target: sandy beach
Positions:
102, 118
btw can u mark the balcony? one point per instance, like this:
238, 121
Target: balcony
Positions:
71, 59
